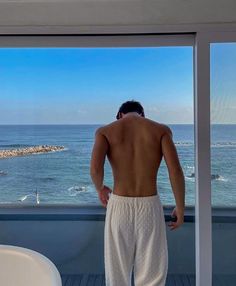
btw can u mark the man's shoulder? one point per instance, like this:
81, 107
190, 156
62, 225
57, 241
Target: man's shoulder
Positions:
166, 129
100, 130
110, 125
103, 129
160, 126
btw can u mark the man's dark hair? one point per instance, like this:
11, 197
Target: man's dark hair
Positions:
130, 106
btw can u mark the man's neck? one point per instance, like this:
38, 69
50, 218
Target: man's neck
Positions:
131, 114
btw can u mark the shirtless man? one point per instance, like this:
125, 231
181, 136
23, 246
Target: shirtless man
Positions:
135, 146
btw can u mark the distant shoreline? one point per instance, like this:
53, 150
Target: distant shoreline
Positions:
29, 150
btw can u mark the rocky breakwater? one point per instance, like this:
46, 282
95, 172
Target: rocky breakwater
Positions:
29, 150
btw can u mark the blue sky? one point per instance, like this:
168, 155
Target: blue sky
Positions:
81, 85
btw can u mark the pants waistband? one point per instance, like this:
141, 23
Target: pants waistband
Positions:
115, 197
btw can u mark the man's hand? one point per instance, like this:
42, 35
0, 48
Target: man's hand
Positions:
180, 219
104, 195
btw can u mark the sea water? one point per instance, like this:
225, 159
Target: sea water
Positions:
64, 177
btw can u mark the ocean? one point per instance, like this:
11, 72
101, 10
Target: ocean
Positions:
63, 177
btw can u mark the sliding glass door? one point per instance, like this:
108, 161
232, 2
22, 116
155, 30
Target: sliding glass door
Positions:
223, 161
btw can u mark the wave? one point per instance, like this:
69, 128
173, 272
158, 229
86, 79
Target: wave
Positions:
221, 178
3, 173
189, 178
214, 177
75, 190
184, 144
189, 167
224, 144
215, 144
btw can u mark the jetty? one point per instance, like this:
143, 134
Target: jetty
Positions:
29, 150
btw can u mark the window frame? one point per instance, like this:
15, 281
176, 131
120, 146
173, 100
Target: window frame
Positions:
202, 125
200, 40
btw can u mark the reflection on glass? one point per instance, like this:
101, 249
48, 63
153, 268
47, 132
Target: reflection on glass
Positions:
223, 161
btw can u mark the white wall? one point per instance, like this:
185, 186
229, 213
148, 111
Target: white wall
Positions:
115, 12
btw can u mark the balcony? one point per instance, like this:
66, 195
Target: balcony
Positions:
72, 237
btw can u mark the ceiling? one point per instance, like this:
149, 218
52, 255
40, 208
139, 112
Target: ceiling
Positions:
116, 12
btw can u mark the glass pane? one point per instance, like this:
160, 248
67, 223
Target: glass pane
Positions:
223, 161
60, 96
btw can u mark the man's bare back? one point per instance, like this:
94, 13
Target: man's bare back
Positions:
135, 147
135, 154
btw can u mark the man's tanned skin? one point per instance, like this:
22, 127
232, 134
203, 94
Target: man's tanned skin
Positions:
135, 146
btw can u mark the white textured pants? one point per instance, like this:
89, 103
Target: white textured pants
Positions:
135, 239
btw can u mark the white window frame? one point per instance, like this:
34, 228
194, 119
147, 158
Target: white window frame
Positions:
203, 205
203, 225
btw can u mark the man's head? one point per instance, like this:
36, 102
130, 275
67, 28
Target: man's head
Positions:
130, 106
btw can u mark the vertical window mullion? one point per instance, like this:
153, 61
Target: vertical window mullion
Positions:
203, 229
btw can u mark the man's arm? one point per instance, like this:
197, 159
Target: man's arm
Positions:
99, 152
175, 174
